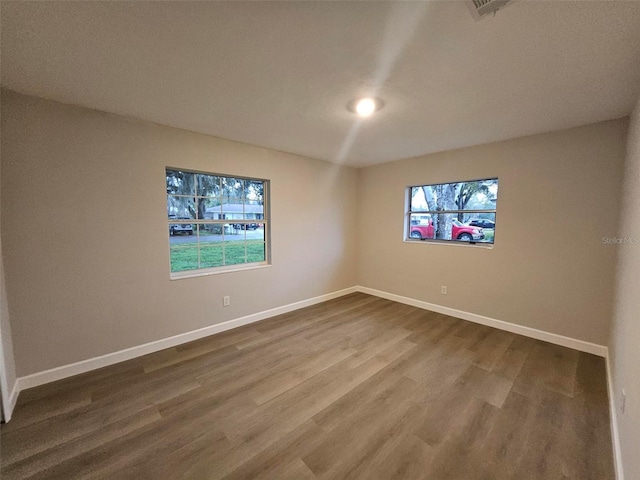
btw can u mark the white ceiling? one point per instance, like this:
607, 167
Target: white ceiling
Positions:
280, 74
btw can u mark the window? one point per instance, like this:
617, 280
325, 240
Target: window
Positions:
216, 222
458, 212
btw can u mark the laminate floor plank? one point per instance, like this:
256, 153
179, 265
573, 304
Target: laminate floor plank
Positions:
458, 456
341, 305
279, 383
201, 348
513, 358
487, 352
35, 411
320, 321
357, 399
27, 441
270, 462
58, 450
360, 433
358, 387
409, 459
548, 367
77, 385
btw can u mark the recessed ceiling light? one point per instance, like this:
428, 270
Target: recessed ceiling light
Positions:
365, 107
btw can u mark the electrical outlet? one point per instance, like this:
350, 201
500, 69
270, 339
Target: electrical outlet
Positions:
624, 400
226, 301
443, 289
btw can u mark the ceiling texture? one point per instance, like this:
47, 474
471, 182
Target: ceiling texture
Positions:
280, 74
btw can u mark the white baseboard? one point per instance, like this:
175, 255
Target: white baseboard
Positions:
613, 414
84, 366
13, 398
65, 371
7, 409
554, 338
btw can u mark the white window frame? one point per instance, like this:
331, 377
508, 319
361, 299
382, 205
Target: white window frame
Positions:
409, 212
265, 220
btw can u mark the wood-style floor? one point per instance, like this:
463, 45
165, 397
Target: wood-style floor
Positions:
358, 387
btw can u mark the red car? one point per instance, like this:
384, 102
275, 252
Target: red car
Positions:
459, 231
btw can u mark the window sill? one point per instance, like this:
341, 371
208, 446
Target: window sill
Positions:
217, 271
483, 245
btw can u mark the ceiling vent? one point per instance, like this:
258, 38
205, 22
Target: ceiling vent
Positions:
480, 8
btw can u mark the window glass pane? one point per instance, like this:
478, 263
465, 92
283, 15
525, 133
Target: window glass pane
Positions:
208, 232
254, 212
476, 195
444, 226
421, 226
209, 208
418, 200
232, 188
180, 207
250, 230
486, 221
246, 229
211, 255
180, 183
480, 195
234, 252
181, 229
255, 251
234, 232
253, 192
233, 207
444, 196
255, 233
208, 185
184, 257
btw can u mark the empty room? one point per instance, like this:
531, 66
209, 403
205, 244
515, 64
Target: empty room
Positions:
320, 240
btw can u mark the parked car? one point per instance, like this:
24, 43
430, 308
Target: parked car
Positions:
467, 233
246, 226
180, 228
459, 231
482, 223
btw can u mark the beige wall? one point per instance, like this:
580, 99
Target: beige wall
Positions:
86, 249
558, 196
625, 338
85, 240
